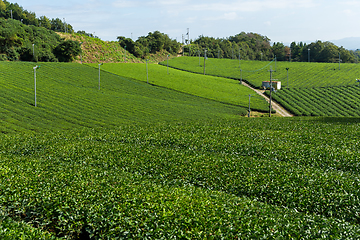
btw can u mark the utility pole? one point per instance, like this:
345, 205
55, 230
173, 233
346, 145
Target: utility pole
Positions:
239, 58
188, 42
147, 72
168, 64
33, 51
99, 74
271, 71
204, 60
287, 69
249, 105
240, 76
36, 67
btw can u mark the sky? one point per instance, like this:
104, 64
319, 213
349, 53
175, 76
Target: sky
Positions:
280, 20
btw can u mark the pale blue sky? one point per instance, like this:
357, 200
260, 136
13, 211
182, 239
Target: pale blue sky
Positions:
280, 20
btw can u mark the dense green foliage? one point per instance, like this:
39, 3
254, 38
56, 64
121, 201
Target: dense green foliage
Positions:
318, 52
301, 75
249, 179
331, 101
68, 97
214, 88
152, 43
14, 11
253, 46
250, 46
67, 50
312, 89
30, 43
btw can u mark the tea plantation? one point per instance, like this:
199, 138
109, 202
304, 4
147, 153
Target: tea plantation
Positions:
68, 96
312, 89
249, 178
137, 161
214, 88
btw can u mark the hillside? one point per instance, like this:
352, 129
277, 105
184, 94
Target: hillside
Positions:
312, 89
209, 87
68, 97
95, 50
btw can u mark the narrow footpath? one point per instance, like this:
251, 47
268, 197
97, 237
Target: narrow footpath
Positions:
279, 109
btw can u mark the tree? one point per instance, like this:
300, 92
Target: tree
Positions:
45, 22
67, 50
278, 50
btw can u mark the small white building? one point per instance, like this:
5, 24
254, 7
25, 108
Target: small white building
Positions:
275, 84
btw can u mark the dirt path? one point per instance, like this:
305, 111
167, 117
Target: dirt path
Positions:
280, 110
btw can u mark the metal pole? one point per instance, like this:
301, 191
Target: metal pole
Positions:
168, 63
249, 105
240, 76
33, 51
147, 72
287, 69
99, 74
35, 83
270, 92
308, 54
339, 60
204, 61
239, 58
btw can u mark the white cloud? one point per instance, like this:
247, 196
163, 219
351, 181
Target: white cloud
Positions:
125, 4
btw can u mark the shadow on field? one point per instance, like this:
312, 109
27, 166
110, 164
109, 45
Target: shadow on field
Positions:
340, 120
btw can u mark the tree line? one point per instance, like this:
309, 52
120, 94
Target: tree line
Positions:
30, 43
152, 43
14, 11
253, 46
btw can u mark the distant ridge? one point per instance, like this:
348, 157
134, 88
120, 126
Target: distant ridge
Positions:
350, 43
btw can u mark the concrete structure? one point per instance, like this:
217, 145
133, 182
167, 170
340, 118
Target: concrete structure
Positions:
276, 85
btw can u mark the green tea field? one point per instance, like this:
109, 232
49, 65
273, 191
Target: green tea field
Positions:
163, 160
68, 96
214, 88
301, 74
312, 89
260, 178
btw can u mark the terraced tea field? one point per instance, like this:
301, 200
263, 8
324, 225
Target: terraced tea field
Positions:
254, 178
301, 74
313, 89
68, 97
214, 88
133, 160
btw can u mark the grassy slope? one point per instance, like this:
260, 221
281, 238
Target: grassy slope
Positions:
96, 50
215, 88
68, 97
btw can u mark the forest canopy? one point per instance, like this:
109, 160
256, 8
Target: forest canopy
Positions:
253, 46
